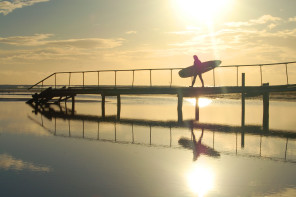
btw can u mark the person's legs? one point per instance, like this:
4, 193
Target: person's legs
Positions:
193, 81
202, 82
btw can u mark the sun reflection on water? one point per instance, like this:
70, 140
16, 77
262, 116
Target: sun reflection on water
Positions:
200, 180
202, 102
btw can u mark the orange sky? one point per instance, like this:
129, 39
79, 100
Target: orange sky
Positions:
39, 37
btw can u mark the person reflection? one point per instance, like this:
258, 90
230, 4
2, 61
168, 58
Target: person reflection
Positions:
197, 147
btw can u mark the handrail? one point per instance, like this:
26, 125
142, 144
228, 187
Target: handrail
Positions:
158, 69
41, 81
270, 64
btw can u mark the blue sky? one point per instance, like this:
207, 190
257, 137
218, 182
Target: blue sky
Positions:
39, 37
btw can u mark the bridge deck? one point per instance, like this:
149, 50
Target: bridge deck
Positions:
162, 90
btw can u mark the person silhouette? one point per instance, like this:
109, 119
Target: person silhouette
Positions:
197, 64
197, 147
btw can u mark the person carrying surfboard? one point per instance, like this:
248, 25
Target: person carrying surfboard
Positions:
197, 64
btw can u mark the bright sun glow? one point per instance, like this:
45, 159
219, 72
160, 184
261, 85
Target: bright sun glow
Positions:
202, 102
200, 180
202, 10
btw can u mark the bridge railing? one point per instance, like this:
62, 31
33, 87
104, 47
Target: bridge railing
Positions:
55, 84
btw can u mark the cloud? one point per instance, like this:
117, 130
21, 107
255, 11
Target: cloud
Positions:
87, 43
240, 41
271, 26
7, 162
35, 40
265, 19
131, 32
186, 32
42, 49
292, 19
42, 40
8, 6
189, 30
259, 21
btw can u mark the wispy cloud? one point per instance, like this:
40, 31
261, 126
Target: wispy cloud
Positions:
189, 30
268, 36
35, 40
8, 6
7, 162
259, 21
131, 32
240, 34
186, 32
87, 43
42, 40
264, 19
292, 19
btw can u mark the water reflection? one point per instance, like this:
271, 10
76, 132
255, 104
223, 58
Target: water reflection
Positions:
200, 179
8, 162
197, 147
214, 140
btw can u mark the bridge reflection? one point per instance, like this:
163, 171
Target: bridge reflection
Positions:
213, 139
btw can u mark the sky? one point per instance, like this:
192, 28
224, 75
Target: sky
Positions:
40, 37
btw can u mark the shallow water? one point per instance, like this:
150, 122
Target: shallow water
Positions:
148, 152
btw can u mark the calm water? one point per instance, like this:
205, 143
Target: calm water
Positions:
50, 152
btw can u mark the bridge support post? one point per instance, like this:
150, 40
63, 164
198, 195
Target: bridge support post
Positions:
118, 107
243, 100
196, 109
103, 106
243, 111
180, 104
73, 105
266, 109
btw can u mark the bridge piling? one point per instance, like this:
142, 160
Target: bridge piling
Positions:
196, 109
73, 105
180, 104
118, 106
103, 106
266, 109
243, 100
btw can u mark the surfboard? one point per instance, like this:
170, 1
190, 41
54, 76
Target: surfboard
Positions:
205, 67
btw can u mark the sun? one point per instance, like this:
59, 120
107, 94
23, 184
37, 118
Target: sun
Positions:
201, 10
200, 180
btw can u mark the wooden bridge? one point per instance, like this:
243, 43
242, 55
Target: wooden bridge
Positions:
57, 92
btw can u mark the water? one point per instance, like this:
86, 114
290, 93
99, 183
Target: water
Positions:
148, 152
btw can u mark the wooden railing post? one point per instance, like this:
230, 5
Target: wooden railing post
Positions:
261, 74
171, 78
69, 79
237, 76
287, 74
98, 78
83, 79
150, 77
214, 77
115, 78
133, 78
55, 81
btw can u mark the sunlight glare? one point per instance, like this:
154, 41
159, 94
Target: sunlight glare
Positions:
202, 102
202, 10
200, 180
